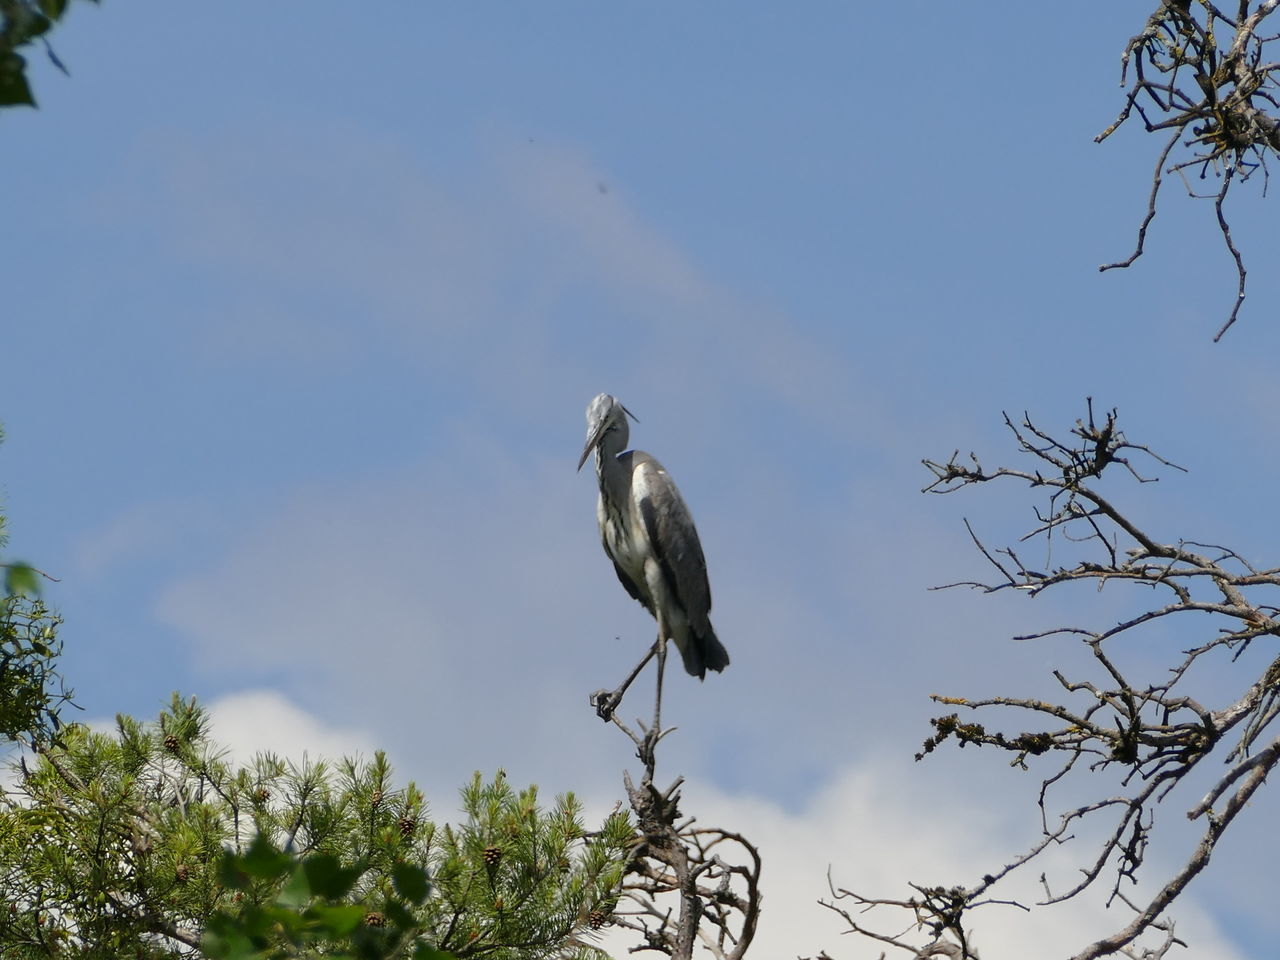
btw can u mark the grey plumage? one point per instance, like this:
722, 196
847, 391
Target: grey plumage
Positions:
649, 535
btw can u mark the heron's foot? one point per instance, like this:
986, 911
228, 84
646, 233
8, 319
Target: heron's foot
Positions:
605, 702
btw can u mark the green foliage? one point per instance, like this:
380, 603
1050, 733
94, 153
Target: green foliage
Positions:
21, 579
22, 23
512, 880
31, 691
149, 842
310, 913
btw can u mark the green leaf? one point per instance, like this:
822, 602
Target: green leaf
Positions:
338, 921
297, 892
328, 878
410, 882
257, 922
263, 861
223, 942
400, 917
38, 27
285, 920
424, 952
20, 579
22, 24
230, 874
238, 938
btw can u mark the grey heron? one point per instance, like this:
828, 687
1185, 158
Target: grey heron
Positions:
649, 535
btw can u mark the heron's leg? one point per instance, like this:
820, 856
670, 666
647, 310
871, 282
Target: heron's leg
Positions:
606, 701
654, 734
661, 648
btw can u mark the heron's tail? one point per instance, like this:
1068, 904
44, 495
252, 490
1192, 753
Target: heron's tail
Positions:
703, 652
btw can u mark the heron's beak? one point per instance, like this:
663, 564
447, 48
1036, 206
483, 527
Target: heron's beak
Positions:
593, 441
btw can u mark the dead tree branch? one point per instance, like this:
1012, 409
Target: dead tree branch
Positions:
684, 885
1203, 75
1132, 741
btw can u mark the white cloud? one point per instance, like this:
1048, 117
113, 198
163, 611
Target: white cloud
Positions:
255, 721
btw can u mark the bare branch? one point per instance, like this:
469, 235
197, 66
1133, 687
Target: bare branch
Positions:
1209, 98
712, 874
1146, 732
48, 576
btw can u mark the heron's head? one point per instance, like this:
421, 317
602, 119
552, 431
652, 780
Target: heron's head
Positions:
606, 417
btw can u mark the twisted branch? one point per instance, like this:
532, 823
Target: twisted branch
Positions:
712, 874
1146, 731
1202, 75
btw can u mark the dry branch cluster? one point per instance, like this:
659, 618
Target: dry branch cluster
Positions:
1202, 75
716, 898
1147, 731
684, 885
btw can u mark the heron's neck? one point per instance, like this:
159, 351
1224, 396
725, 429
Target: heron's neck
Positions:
613, 477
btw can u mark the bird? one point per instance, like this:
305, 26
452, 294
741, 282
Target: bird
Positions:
648, 533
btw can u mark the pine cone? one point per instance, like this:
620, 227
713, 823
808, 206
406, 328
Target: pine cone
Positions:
375, 919
597, 919
172, 743
407, 825
263, 795
492, 856
181, 872
376, 798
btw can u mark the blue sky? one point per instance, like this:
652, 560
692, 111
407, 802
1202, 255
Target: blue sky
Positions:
305, 305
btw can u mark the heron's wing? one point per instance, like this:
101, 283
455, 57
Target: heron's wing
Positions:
627, 582
674, 538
